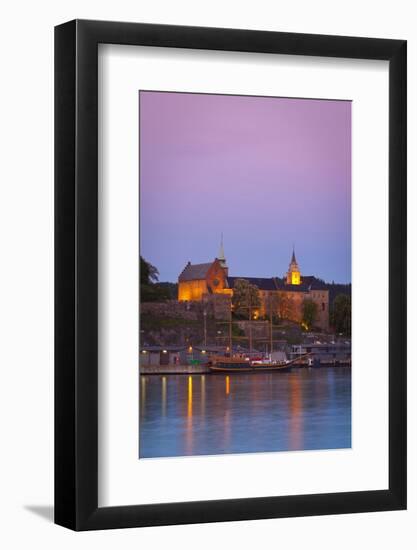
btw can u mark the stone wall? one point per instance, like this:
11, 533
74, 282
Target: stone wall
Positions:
260, 329
183, 323
215, 305
218, 305
173, 309
321, 298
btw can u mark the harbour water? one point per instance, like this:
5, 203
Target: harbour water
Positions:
210, 414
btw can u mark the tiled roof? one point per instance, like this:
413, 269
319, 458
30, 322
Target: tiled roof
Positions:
273, 283
313, 283
261, 282
280, 285
193, 272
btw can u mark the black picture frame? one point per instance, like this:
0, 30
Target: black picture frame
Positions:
76, 273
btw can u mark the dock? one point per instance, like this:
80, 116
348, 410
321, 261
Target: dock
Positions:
173, 369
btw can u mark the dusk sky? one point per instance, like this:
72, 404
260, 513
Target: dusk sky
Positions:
267, 172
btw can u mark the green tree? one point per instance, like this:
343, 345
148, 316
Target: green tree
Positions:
245, 297
309, 312
341, 314
148, 272
150, 291
273, 304
285, 306
171, 288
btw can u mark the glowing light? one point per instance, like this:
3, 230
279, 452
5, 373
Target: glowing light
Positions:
227, 385
189, 426
144, 351
203, 351
190, 397
296, 419
295, 278
191, 291
164, 351
190, 349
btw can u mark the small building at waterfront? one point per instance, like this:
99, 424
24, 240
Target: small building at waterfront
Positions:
177, 355
326, 353
160, 355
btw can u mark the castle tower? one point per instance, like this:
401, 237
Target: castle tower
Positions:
293, 274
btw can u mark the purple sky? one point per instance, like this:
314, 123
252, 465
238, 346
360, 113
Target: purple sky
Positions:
267, 172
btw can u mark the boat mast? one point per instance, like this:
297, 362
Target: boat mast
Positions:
270, 325
230, 330
250, 323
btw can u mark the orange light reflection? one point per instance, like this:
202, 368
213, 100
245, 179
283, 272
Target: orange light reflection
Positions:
189, 430
296, 422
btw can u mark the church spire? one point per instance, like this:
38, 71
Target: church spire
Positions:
293, 274
221, 249
221, 257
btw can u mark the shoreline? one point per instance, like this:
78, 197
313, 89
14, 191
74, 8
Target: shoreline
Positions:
202, 369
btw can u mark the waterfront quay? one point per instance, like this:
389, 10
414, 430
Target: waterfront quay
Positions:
150, 370
194, 360
173, 369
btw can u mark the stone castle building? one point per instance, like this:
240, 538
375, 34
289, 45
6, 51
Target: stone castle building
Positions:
282, 297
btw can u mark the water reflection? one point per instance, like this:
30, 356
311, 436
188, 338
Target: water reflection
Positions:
189, 423
164, 396
215, 414
143, 381
203, 394
296, 419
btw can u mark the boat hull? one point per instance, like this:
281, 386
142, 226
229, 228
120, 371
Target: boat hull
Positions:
248, 369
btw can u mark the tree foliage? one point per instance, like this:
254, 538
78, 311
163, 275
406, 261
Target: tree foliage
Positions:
148, 272
341, 314
285, 306
272, 306
309, 312
150, 290
171, 288
245, 297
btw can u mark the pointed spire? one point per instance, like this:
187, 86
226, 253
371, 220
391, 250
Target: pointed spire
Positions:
293, 260
221, 257
221, 250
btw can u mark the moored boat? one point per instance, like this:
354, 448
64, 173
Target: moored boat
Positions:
242, 364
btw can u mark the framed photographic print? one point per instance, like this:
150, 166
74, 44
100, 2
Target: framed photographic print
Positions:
230, 235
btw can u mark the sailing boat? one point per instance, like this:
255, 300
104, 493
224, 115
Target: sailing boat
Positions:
239, 363
222, 363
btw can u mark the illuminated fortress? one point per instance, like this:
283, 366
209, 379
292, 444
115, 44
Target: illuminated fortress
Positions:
197, 282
